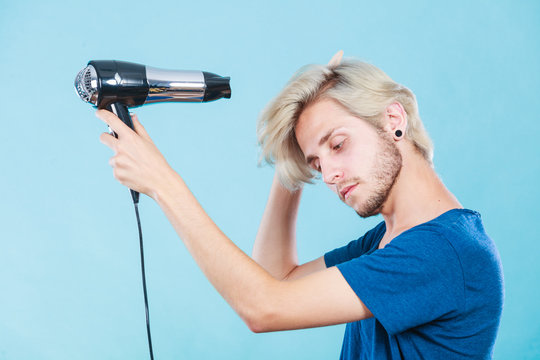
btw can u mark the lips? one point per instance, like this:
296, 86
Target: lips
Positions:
346, 191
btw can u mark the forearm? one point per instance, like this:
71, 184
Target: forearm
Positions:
275, 244
239, 279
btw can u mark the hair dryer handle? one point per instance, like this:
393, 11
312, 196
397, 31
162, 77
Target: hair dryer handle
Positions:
122, 112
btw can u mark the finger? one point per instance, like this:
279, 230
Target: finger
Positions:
109, 140
114, 122
112, 161
336, 59
139, 129
115, 162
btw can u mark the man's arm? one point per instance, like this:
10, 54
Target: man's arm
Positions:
263, 302
275, 244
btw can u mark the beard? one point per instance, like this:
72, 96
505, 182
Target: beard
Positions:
383, 176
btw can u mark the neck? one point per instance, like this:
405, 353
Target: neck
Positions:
418, 195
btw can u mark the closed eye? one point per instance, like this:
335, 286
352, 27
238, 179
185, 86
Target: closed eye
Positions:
339, 145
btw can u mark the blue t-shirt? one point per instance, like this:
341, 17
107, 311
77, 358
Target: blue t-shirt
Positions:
435, 291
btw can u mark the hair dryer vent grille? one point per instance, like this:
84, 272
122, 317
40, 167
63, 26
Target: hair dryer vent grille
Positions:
83, 83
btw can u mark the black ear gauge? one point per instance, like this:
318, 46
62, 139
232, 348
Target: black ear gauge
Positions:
399, 133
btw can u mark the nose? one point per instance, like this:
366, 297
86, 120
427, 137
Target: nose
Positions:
331, 173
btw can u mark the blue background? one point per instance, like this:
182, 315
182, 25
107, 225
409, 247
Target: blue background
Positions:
69, 258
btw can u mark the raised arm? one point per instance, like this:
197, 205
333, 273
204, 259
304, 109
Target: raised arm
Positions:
275, 244
263, 302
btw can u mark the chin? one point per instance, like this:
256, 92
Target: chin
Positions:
366, 214
367, 209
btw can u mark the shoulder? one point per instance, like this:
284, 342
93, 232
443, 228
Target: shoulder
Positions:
464, 244
455, 227
456, 239
461, 230
442, 244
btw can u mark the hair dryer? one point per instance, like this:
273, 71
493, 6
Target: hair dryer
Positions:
119, 85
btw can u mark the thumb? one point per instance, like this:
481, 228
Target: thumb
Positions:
139, 129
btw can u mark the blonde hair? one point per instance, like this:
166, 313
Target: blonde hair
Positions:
361, 88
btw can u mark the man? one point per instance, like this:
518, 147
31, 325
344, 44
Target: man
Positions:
424, 283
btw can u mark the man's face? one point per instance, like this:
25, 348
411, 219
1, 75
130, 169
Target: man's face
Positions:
357, 161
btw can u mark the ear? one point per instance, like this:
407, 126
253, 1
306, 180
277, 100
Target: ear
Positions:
395, 118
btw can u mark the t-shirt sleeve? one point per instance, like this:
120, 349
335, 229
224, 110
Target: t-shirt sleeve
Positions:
355, 248
413, 280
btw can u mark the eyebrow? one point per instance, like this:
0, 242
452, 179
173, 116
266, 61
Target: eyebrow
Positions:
324, 139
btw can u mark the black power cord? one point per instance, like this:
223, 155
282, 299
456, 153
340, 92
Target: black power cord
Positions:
136, 204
